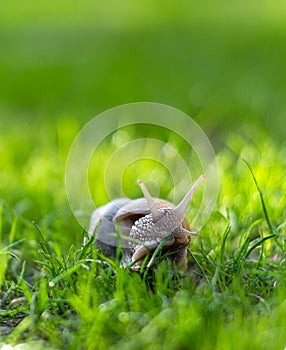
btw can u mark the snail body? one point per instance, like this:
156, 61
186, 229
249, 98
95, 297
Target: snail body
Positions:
145, 223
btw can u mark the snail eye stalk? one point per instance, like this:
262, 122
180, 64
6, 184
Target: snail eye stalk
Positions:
152, 205
180, 209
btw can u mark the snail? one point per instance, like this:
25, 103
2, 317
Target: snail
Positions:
145, 224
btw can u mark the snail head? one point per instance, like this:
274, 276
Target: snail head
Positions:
170, 217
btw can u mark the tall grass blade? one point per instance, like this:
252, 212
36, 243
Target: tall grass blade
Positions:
258, 243
261, 198
199, 266
224, 238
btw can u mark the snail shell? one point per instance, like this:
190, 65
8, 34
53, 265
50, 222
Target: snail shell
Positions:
144, 223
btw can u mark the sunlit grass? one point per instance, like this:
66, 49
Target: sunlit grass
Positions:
68, 295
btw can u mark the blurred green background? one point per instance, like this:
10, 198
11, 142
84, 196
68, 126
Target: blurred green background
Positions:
222, 62
62, 63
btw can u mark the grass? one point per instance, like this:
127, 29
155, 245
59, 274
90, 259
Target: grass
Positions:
61, 295
59, 69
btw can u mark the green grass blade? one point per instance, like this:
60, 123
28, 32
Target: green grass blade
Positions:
199, 266
223, 243
271, 227
258, 243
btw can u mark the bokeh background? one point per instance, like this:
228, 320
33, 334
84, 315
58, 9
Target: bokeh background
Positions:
61, 63
222, 62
